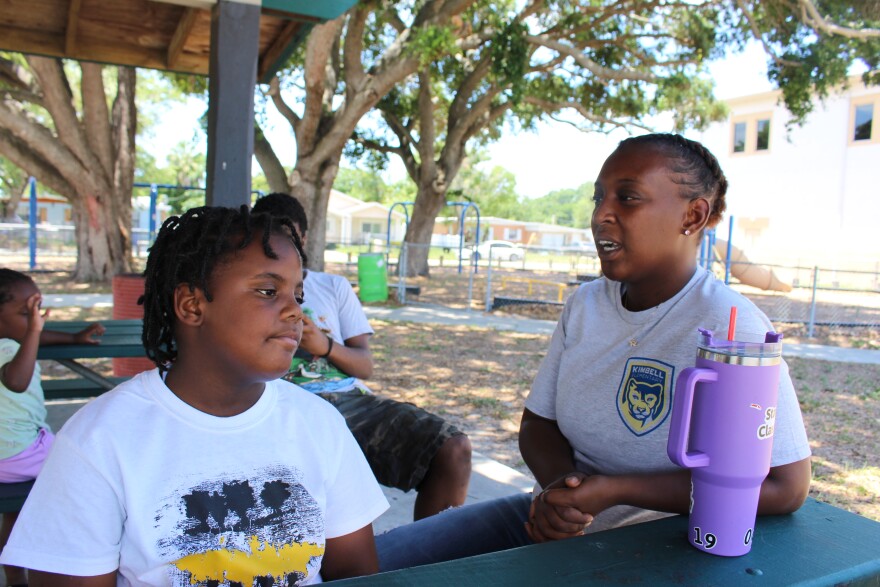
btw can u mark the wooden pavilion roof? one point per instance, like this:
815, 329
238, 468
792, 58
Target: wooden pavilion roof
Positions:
172, 35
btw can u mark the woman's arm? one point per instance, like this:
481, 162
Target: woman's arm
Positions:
43, 579
351, 555
352, 358
783, 491
545, 450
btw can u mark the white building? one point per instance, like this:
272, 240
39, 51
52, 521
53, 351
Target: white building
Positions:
810, 194
353, 221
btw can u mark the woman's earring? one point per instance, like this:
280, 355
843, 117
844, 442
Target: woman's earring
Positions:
687, 231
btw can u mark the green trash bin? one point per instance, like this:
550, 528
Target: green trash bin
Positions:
372, 277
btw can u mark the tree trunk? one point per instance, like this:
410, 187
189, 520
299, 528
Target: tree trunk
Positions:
103, 250
11, 205
311, 183
86, 155
429, 202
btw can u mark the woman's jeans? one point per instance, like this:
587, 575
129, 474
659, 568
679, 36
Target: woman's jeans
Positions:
479, 528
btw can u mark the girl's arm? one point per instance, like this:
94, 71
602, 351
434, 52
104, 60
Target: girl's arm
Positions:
352, 358
89, 335
16, 375
44, 579
351, 555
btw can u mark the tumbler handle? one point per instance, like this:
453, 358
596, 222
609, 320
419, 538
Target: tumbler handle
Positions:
682, 409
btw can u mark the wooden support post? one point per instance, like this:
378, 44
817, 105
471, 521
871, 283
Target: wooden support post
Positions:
235, 34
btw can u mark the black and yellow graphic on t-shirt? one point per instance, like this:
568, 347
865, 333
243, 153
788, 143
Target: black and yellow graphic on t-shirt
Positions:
264, 530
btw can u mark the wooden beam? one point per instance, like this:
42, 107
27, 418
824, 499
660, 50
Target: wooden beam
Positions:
28, 41
278, 47
181, 34
72, 23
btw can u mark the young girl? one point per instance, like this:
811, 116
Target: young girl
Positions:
599, 458
24, 436
207, 470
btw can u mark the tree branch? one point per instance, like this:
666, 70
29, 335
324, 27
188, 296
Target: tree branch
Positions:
352, 50
756, 33
24, 157
96, 117
427, 133
406, 144
587, 63
43, 144
269, 162
811, 17
278, 100
318, 48
58, 100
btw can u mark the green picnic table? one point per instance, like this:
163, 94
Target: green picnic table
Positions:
121, 339
817, 545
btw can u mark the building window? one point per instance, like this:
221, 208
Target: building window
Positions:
513, 234
739, 137
371, 227
750, 133
763, 142
864, 120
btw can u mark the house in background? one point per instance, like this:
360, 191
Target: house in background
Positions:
811, 193
353, 221
534, 234
51, 209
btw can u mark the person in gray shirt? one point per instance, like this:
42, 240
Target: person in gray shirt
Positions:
595, 425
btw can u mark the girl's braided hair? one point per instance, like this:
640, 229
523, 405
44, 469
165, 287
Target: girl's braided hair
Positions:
700, 173
187, 249
8, 278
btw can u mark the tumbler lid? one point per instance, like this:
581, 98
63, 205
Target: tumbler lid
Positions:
768, 352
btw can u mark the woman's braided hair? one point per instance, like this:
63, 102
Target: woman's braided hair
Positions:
700, 173
8, 278
187, 249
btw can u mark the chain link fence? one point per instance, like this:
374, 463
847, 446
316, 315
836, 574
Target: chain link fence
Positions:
536, 281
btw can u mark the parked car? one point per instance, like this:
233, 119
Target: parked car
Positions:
504, 250
586, 247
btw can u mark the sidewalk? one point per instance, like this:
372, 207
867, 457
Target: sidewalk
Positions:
432, 314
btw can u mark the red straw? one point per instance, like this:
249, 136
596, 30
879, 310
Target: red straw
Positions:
731, 328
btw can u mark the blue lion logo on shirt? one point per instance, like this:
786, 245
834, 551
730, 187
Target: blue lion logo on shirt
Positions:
644, 396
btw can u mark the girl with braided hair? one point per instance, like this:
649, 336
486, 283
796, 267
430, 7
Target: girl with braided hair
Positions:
209, 469
595, 425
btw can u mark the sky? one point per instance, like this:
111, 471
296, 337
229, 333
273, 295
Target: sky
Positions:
556, 156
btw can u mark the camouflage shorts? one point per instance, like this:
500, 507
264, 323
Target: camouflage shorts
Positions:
398, 439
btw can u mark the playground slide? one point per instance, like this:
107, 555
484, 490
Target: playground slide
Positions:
754, 275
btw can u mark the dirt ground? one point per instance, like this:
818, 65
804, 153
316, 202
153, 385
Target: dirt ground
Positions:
479, 378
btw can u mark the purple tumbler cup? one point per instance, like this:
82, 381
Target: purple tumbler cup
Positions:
723, 415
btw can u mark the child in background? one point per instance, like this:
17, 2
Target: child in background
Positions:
208, 470
24, 436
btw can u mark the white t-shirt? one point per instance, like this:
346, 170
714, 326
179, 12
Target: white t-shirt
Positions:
332, 304
142, 482
21, 414
599, 346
